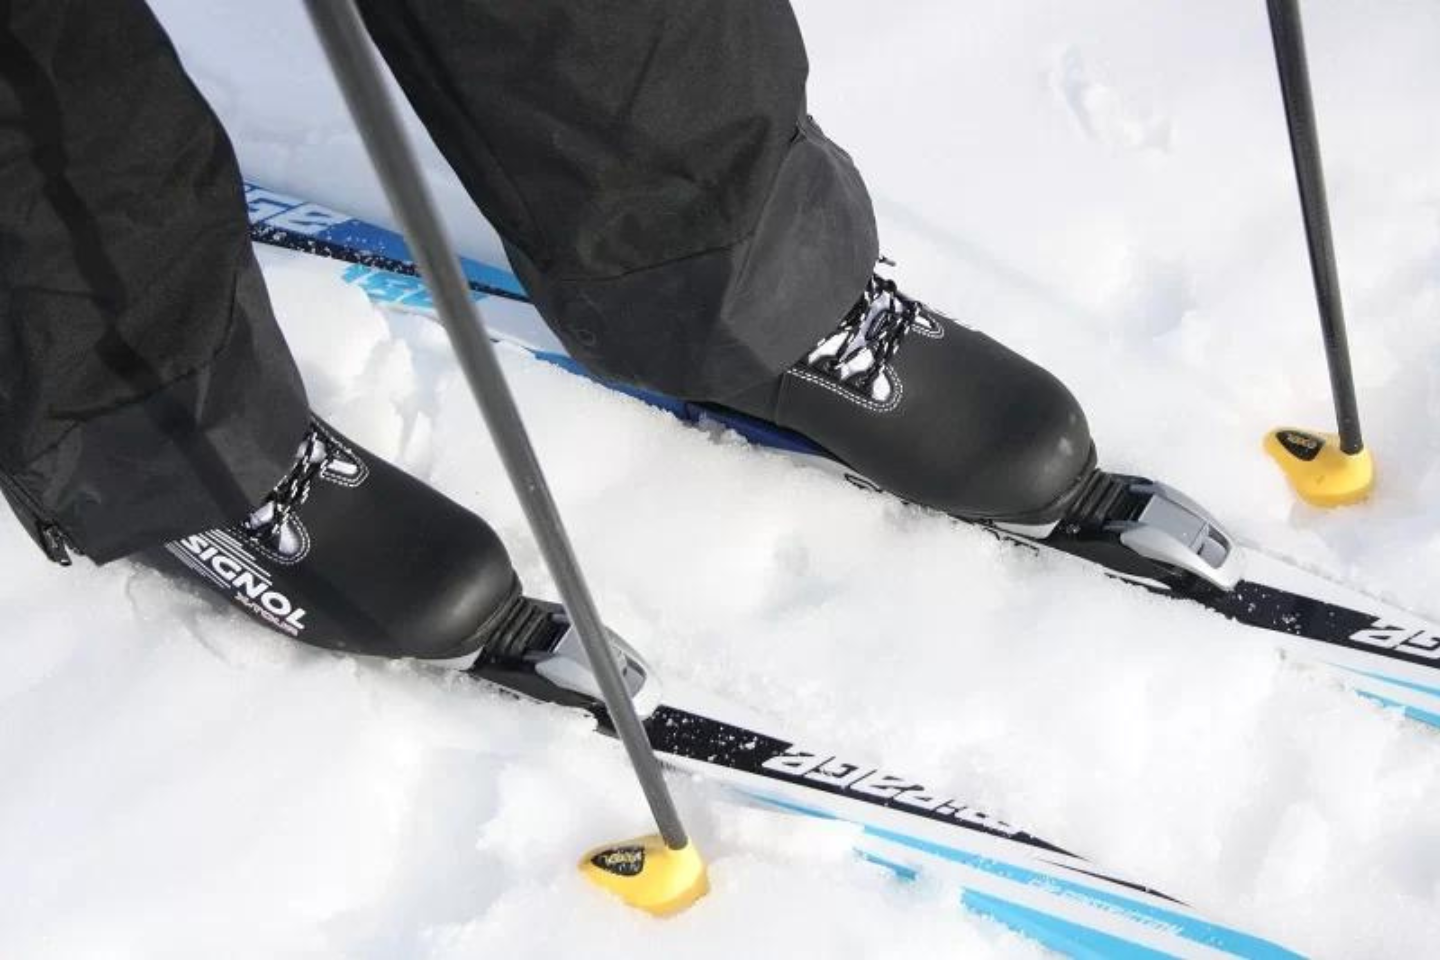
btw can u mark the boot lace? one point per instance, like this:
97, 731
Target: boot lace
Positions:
273, 524
868, 338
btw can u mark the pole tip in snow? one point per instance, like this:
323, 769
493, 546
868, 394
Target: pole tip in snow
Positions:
649, 875
1320, 472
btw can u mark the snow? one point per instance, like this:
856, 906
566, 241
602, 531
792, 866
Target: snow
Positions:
1104, 186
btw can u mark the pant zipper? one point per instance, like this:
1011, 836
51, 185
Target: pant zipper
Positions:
54, 541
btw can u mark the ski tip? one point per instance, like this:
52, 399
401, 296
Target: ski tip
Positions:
648, 875
1320, 472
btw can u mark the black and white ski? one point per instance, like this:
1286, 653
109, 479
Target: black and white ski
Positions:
993, 868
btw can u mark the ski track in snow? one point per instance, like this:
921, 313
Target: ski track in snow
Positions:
1107, 189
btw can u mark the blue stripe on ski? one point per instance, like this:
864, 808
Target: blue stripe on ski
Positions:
908, 874
1191, 928
311, 220
1062, 936
1414, 713
1395, 681
368, 237
569, 364
756, 431
1057, 933
763, 433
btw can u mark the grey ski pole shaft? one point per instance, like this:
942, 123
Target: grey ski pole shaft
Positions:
353, 60
1290, 60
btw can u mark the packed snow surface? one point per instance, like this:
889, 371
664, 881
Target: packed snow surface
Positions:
1105, 186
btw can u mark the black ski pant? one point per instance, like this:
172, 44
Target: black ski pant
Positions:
678, 219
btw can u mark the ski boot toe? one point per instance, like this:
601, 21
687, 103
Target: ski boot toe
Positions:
1010, 441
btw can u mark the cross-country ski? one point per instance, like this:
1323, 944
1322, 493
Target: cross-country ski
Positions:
1132, 528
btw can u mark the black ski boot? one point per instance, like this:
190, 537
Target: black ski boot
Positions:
934, 412
351, 553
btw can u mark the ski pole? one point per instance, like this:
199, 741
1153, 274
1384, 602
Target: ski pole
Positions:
662, 874
1324, 469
